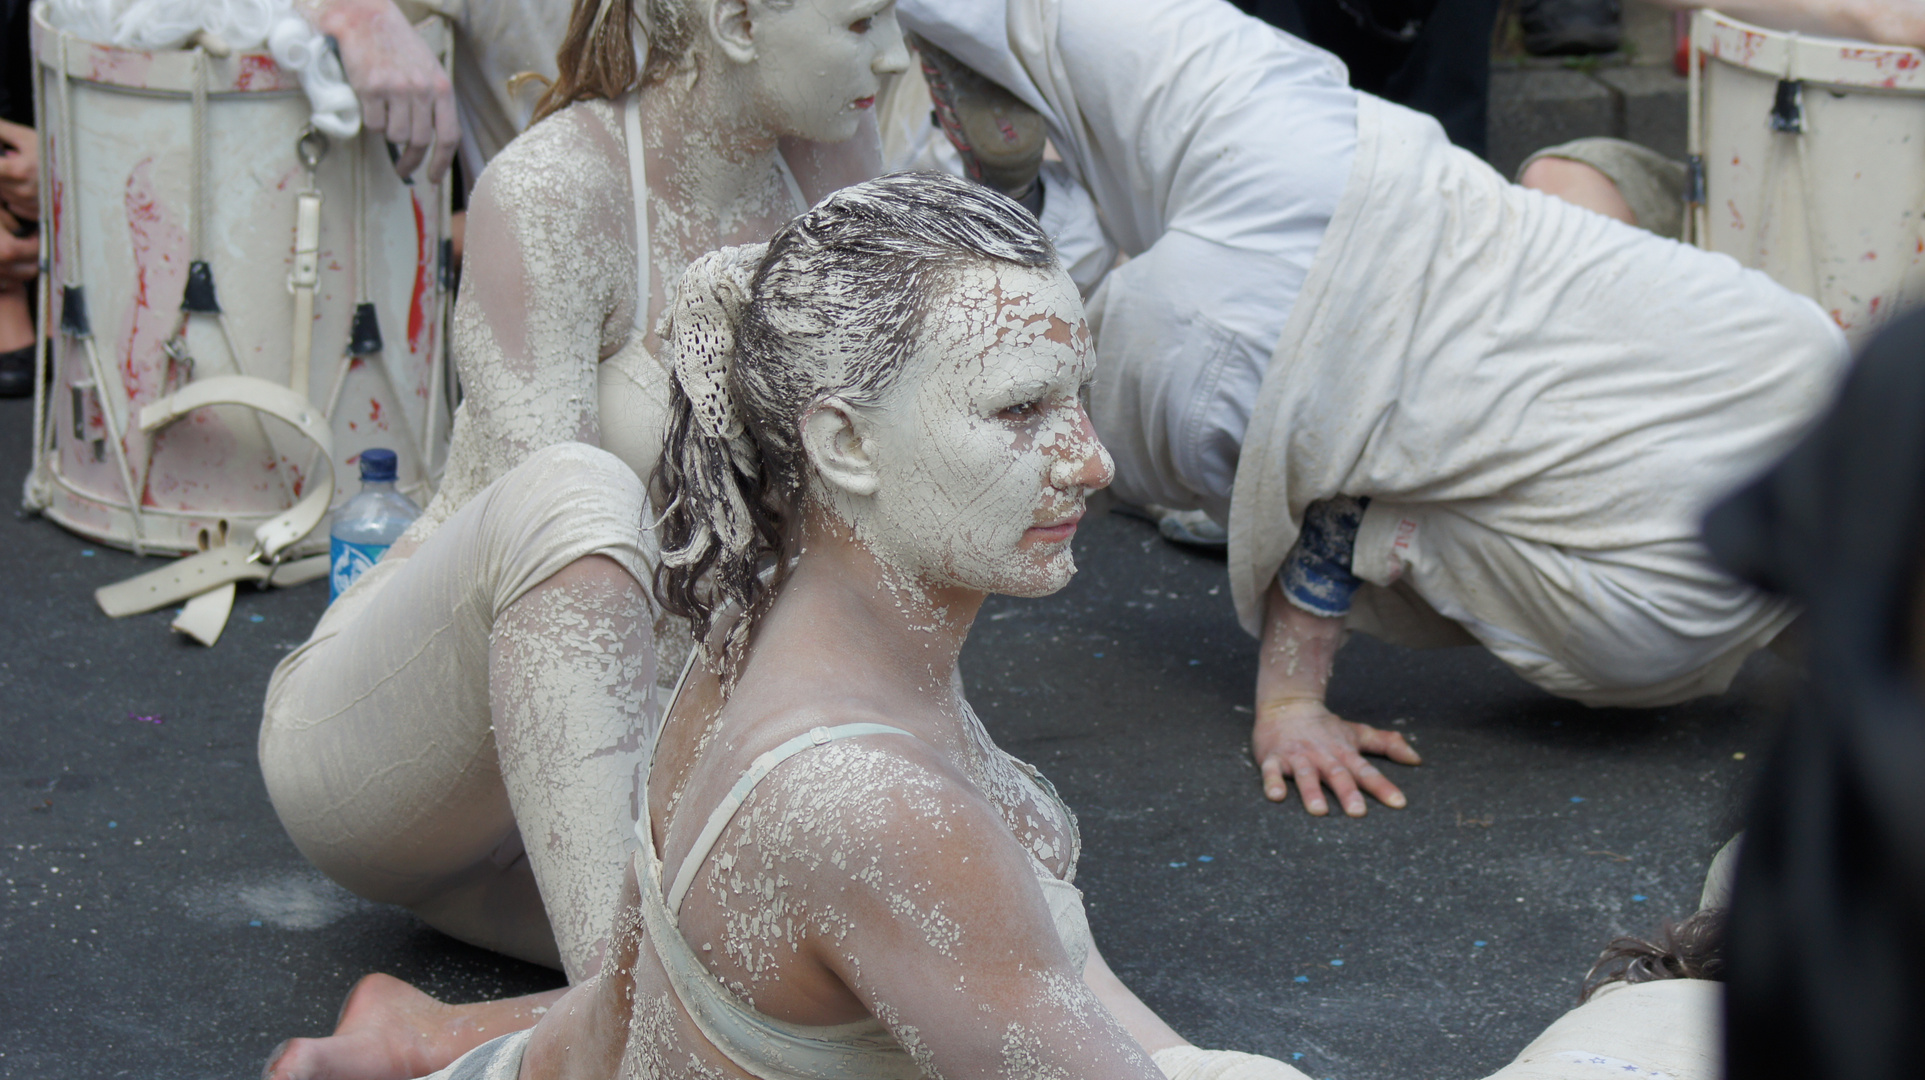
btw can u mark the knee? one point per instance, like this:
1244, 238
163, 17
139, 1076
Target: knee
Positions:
1580, 184
574, 469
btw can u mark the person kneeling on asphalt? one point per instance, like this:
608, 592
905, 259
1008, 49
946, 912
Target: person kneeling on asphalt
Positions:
1425, 402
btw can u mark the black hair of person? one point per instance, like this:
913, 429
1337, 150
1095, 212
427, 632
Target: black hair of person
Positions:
1826, 943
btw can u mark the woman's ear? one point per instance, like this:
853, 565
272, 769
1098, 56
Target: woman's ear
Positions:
836, 438
733, 30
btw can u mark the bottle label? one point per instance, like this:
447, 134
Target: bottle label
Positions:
348, 560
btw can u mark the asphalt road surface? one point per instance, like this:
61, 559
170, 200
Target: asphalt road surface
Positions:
155, 922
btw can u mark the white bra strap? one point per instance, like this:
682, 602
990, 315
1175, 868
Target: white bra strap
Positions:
638, 185
725, 810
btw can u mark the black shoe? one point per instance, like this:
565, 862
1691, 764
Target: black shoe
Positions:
16, 372
1570, 27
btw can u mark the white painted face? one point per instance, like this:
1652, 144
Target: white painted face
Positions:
983, 450
819, 63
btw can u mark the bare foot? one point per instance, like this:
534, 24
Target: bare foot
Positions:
387, 1030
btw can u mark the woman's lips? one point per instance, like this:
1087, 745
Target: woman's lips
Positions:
1057, 533
866, 102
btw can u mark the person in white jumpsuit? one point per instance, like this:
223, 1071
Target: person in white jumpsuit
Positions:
1508, 412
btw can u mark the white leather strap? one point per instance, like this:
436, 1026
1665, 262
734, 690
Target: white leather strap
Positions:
186, 578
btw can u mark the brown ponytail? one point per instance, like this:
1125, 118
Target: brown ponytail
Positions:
597, 56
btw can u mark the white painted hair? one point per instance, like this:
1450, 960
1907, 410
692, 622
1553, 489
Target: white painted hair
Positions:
832, 306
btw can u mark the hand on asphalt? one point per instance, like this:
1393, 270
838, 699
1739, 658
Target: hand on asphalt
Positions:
405, 96
1301, 740
19, 171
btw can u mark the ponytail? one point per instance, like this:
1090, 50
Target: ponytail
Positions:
600, 59
717, 523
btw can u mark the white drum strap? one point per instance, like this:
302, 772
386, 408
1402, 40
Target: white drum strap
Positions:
216, 570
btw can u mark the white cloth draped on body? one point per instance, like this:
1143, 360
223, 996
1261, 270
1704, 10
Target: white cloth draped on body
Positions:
1539, 401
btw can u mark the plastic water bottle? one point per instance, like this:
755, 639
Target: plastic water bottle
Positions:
366, 525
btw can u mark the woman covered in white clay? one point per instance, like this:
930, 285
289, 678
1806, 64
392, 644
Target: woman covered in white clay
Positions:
461, 733
877, 421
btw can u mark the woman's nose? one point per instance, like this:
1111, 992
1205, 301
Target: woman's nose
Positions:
893, 58
1085, 463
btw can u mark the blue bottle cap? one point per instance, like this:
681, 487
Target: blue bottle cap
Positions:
377, 466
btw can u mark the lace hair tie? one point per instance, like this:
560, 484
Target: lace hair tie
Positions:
699, 334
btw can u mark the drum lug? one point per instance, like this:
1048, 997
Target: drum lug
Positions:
364, 337
1788, 107
1694, 180
73, 312
199, 295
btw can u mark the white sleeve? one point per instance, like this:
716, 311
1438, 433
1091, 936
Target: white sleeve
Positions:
1070, 220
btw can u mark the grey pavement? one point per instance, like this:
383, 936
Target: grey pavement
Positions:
1632, 94
155, 922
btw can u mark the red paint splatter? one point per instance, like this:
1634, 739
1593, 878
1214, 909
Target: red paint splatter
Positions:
417, 305
1737, 219
1870, 256
1874, 306
374, 410
258, 66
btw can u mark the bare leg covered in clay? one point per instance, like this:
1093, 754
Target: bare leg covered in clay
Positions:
501, 675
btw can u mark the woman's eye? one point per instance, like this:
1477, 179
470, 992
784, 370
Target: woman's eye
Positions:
861, 26
1020, 412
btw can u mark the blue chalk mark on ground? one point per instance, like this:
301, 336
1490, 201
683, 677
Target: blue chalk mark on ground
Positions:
1296, 1057
1175, 865
1336, 963
1639, 898
1194, 663
86, 553
256, 618
254, 922
1577, 798
1099, 655
1480, 944
113, 824
1206, 858
1301, 978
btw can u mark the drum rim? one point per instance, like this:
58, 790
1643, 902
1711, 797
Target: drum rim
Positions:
1815, 58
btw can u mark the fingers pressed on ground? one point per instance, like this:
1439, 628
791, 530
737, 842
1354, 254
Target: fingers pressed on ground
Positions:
1372, 780
1310, 786
1343, 785
1273, 786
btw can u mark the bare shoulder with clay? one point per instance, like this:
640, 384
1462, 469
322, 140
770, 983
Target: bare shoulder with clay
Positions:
872, 876
547, 291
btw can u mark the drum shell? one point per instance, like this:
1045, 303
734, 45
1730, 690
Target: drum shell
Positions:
118, 223
1832, 210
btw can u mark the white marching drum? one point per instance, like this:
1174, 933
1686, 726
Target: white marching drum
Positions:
1808, 162
238, 305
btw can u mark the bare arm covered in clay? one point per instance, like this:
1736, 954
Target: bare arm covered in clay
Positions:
548, 292
870, 877
1295, 737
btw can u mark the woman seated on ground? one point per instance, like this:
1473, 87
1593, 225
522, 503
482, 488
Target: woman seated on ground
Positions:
877, 421
494, 678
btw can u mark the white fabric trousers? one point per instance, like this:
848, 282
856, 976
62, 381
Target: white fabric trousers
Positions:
500, 675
